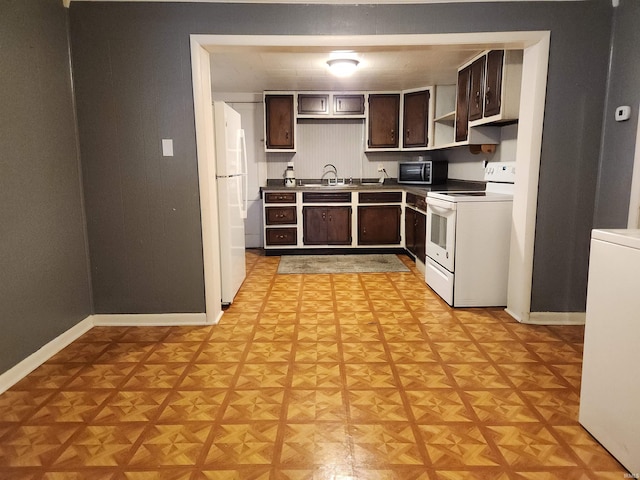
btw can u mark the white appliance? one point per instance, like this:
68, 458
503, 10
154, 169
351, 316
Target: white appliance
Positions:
610, 389
468, 238
231, 182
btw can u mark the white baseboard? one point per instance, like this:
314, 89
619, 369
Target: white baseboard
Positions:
556, 318
12, 376
33, 361
150, 320
514, 315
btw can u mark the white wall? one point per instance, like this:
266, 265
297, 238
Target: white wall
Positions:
340, 143
464, 165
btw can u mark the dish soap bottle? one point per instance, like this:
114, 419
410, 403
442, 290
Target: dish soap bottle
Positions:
289, 177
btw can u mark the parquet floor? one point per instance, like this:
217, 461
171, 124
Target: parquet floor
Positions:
342, 377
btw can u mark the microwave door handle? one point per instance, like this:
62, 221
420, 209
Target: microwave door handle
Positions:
422, 169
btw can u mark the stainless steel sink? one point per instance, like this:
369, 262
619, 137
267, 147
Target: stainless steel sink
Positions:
324, 185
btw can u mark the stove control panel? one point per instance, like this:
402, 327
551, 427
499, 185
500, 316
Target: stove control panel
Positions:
500, 172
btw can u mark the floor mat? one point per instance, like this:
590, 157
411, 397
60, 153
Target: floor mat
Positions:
314, 264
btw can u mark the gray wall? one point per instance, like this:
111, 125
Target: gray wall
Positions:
44, 281
132, 67
616, 168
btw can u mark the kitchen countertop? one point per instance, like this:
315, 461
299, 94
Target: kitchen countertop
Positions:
450, 185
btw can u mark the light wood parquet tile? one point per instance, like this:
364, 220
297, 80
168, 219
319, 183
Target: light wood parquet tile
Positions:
315, 377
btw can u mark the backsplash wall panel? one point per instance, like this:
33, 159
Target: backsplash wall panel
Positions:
340, 143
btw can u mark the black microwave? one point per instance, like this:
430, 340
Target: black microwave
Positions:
423, 173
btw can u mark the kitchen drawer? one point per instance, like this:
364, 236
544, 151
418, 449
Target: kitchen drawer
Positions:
280, 197
380, 197
282, 236
417, 201
280, 215
440, 280
326, 197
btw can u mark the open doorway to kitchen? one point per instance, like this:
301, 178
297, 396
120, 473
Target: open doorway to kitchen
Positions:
534, 75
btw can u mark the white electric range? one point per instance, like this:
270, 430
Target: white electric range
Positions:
468, 239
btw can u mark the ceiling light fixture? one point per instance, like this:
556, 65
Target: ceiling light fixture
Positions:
342, 67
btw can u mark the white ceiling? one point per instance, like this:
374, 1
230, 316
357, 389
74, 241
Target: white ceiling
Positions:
253, 69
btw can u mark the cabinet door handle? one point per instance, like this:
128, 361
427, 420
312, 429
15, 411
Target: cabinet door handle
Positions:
393, 135
487, 95
322, 104
286, 135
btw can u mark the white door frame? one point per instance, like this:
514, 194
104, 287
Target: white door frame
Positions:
534, 74
633, 220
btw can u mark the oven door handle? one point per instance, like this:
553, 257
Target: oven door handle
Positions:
441, 210
441, 205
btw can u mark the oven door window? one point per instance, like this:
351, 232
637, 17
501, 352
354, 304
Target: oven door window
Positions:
439, 230
441, 233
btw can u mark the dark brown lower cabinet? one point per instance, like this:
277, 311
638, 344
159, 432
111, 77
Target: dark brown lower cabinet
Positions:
379, 225
326, 225
415, 231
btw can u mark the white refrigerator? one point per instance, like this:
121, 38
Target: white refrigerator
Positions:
231, 182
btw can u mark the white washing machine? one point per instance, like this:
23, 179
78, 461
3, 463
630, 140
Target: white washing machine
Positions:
610, 390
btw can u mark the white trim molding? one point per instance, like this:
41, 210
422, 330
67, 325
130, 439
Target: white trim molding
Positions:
33, 361
556, 318
37, 358
633, 220
151, 320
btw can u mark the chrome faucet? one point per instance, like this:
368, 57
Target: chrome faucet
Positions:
335, 173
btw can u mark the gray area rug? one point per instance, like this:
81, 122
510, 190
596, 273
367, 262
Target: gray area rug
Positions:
341, 264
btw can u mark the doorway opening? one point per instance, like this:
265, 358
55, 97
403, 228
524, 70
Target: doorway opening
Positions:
529, 140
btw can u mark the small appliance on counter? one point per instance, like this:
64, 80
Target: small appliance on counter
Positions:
289, 176
426, 172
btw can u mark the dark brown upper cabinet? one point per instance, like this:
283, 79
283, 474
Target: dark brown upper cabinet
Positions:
384, 120
279, 124
348, 104
313, 104
493, 89
462, 104
416, 119
476, 101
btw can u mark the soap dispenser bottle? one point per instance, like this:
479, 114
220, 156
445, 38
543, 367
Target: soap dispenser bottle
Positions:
289, 177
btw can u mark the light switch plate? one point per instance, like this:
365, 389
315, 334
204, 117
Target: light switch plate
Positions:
167, 147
